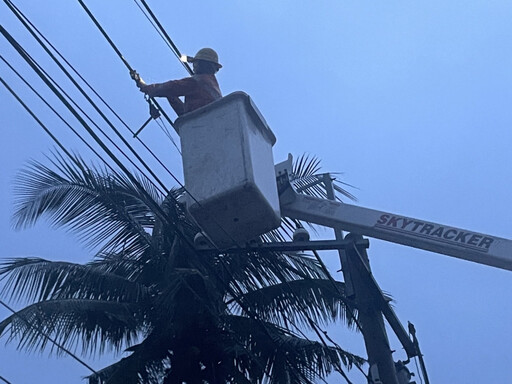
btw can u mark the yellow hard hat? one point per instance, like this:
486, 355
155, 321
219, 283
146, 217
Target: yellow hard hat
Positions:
207, 54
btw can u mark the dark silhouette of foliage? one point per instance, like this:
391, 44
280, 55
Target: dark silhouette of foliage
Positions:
181, 315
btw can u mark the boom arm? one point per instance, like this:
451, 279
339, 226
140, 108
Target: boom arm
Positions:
447, 240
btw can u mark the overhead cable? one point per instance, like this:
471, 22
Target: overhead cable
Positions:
97, 24
162, 32
24, 21
31, 113
74, 159
164, 129
80, 109
65, 122
107, 105
62, 147
157, 209
5, 380
109, 123
118, 52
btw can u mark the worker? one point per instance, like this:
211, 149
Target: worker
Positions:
198, 90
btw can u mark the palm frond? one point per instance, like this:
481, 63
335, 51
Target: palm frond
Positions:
253, 270
133, 369
124, 371
283, 233
337, 184
306, 179
36, 279
281, 356
310, 361
91, 325
299, 302
103, 208
120, 264
305, 166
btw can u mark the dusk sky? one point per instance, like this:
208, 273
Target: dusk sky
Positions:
410, 102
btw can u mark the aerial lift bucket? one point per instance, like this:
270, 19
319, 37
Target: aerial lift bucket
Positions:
229, 172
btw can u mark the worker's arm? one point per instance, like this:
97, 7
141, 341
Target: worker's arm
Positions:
173, 88
177, 105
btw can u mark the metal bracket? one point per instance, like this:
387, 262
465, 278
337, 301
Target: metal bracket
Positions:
292, 246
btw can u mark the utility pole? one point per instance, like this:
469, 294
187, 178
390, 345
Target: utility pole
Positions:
354, 262
380, 359
338, 233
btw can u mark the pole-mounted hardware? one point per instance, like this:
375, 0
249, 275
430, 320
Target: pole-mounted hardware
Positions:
412, 331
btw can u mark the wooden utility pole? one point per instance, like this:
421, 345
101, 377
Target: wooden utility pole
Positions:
354, 264
380, 359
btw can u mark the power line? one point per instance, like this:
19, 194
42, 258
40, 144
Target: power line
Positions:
5, 380
161, 31
22, 18
162, 126
157, 209
35, 117
162, 189
118, 52
49, 78
70, 156
53, 137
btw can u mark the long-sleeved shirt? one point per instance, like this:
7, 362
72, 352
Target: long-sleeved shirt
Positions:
198, 91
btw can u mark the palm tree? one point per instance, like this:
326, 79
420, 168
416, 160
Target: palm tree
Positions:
183, 315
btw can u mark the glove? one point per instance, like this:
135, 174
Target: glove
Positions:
148, 89
138, 80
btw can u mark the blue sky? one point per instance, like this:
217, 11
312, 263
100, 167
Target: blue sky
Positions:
409, 100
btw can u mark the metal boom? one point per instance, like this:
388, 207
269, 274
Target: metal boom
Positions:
444, 239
